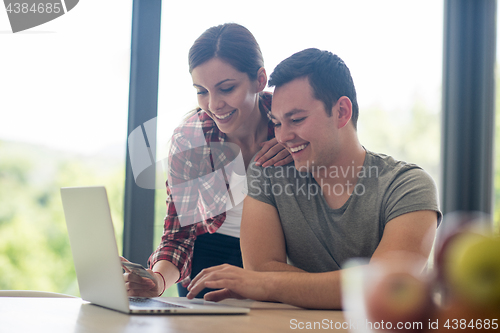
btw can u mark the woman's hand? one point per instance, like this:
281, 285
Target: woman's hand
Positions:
141, 286
272, 153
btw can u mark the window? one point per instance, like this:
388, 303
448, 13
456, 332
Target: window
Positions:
64, 108
393, 49
63, 122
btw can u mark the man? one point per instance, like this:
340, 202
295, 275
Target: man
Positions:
339, 201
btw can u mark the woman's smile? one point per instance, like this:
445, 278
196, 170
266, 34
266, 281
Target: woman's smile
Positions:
224, 118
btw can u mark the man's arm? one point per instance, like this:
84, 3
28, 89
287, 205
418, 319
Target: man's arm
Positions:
411, 233
262, 239
408, 234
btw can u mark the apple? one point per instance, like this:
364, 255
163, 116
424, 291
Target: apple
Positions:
471, 269
454, 224
400, 297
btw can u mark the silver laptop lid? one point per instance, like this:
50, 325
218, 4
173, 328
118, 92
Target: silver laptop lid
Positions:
93, 244
97, 265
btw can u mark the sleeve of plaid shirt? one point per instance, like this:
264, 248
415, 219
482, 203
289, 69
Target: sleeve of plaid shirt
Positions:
177, 242
186, 162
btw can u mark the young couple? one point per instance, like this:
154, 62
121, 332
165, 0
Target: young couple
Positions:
299, 221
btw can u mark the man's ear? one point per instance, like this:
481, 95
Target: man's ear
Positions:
344, 113
261, 79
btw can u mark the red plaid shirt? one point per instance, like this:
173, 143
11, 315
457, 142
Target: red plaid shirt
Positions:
192, 142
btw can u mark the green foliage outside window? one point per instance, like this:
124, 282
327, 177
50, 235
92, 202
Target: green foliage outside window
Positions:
34, 247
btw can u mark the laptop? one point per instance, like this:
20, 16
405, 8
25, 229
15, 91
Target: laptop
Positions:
98, 266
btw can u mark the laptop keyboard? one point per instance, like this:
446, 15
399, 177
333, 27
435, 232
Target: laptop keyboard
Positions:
151, 303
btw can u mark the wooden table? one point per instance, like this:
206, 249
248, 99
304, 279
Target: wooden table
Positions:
23, 314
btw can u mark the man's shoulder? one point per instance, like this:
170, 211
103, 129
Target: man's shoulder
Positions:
395, 174
387, 165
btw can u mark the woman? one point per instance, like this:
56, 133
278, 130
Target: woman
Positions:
213, 146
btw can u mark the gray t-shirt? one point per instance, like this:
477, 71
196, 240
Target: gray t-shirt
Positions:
319, 238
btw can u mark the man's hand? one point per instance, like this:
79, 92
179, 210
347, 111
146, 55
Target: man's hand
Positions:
233, 282
141, 286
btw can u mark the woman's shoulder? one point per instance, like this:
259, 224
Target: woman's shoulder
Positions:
196, 128
196, 118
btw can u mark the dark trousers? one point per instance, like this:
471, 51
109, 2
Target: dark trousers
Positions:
212, 250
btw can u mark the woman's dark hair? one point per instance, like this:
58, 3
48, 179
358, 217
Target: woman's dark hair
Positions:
230, 42
328, 76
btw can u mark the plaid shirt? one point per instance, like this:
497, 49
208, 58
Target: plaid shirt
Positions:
192, 165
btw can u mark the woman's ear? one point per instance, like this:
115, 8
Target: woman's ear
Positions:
261, 79
344, 114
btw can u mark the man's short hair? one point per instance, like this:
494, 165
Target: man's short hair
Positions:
328, 76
